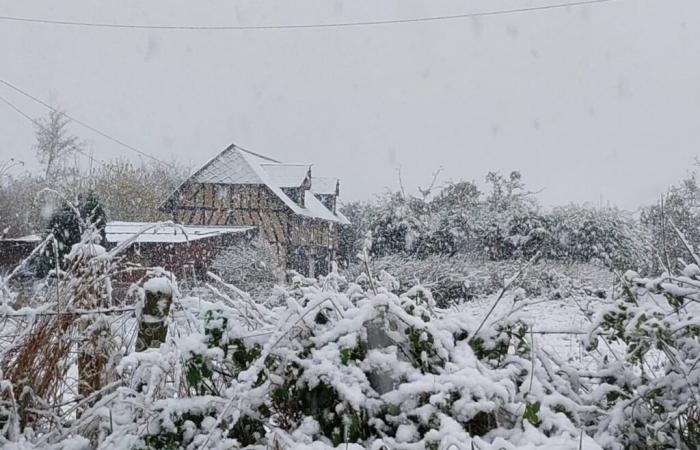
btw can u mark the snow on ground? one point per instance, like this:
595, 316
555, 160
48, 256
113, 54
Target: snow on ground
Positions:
559, 326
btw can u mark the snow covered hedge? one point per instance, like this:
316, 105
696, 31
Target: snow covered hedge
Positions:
505, 223
336, 364
339, 365
452, 280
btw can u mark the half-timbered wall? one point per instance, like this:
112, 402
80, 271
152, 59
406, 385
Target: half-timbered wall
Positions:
255, 205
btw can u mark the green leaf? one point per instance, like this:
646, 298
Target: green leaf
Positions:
532, 413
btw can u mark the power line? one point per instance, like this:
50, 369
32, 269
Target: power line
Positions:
296, 26
80, 122
40, 125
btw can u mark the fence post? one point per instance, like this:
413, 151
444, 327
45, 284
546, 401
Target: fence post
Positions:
152, 326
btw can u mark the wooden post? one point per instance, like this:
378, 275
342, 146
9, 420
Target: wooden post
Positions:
153, 327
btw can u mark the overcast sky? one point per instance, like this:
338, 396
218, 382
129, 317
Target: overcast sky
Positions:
592, 103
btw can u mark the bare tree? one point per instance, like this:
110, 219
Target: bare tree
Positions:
54, 145
7, 166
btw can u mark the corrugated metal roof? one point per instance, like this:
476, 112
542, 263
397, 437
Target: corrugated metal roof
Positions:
117, 232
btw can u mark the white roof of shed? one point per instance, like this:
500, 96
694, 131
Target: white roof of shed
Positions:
117, 232
28, 238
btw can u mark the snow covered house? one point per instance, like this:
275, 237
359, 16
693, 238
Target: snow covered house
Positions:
295, 211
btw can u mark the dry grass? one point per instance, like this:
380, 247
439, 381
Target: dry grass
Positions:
38, 366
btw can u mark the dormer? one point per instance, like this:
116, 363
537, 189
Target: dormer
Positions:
293, 179
327, 190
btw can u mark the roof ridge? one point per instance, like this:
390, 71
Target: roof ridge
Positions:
232, 146
286, 164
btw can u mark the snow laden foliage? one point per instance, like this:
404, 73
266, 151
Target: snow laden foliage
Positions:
127, 192
679, 210
606, 235
455, 279
650, 390
337, 365
253, 266
66, 227
502, 224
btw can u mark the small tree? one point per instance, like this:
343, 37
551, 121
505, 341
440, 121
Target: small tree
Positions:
67, 226
132, 192
54, 145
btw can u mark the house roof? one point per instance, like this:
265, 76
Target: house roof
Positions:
287, 175
231, 167
324, 185
236, 165
117, 232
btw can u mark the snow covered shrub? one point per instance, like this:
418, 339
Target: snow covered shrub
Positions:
67, 226
504, 223
650, 388
333, 368
679, 208
452, 279
252, 266
397, 224
608, 235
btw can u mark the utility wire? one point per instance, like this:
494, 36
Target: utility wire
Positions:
80, 122
40, 125
295, 26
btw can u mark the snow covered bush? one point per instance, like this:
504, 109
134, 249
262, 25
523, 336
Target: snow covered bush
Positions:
397, 224
678, 209
504, 223
453, 279
607, 235
649, 389
253, 266
336, 365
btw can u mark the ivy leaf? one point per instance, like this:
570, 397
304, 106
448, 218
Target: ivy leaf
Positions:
532, 413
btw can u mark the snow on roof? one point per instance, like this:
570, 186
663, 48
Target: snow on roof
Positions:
229, 167
236, 165
287, 175
317, 211
324, 185
317, 208
344, 220
117, 232
320, 211
28, 238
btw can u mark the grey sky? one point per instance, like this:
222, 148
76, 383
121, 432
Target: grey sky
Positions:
590, 103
